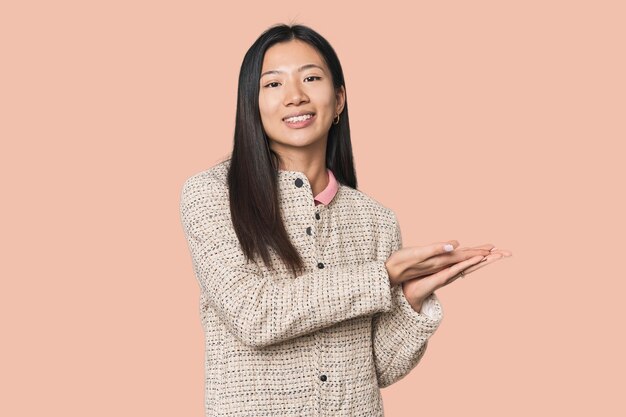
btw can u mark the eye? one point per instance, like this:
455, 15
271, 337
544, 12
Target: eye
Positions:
315, 77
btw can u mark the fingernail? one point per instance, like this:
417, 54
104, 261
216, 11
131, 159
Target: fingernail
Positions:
484, 259
448, 247
492, 249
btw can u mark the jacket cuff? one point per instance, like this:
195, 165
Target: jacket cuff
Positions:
380, 281
430, 315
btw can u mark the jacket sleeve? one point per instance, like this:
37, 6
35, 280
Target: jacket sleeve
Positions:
400, 336
256, 309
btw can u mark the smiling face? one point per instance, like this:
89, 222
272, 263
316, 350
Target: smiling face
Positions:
295, 80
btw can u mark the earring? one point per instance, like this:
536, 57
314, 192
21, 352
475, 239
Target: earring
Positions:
335, 122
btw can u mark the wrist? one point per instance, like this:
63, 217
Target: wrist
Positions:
416, 304
390, 273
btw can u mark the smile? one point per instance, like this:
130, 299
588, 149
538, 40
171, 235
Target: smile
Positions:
300, 121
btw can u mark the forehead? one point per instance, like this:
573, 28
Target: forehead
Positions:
290, 55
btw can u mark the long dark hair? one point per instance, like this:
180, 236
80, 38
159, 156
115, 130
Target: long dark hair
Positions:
253, 171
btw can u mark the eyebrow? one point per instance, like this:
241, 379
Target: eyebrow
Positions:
302, 68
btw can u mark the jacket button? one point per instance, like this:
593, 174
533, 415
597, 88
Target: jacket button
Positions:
320, 265
323, 377
308, 230
317, 216
299, 182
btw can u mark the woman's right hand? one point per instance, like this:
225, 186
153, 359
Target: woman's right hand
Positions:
413, 262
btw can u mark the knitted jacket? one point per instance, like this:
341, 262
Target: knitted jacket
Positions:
319, 344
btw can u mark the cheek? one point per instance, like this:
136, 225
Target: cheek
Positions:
262, 105
326, 102
267, 107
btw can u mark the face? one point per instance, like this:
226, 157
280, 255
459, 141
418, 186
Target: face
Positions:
296, 80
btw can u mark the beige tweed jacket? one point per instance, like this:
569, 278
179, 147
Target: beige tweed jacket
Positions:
320, 344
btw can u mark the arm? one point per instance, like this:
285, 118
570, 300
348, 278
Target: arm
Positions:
400, 336
260, 311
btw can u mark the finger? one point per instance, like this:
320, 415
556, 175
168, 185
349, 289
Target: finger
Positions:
441, 261
439, 248
448, 275
487, 246
503, 252
458, 256
490, 259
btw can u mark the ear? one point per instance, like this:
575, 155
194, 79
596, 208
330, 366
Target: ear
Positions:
340, 97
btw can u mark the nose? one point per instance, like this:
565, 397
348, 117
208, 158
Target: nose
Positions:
294, 94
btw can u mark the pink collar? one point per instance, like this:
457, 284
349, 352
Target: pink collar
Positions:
327, 194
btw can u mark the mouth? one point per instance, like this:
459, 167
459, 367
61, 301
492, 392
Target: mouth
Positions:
299, 116
300, 121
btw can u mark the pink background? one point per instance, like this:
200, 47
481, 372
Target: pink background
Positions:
485, 121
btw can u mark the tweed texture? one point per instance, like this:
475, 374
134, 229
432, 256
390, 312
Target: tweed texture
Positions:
320, 344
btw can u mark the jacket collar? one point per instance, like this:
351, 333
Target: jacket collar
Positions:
324, 197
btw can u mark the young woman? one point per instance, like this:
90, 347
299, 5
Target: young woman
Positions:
308, 301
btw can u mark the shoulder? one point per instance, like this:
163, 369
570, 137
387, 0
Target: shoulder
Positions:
204, 198
210, 182
204, 202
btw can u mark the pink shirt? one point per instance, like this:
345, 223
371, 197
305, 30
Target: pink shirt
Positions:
326, 195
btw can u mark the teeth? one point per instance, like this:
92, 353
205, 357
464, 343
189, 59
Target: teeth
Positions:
299, 118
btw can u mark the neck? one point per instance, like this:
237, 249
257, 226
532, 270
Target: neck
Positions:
311, 163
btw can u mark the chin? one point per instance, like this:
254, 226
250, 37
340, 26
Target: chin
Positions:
295, 142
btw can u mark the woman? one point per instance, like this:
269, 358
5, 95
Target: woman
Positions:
308, 302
